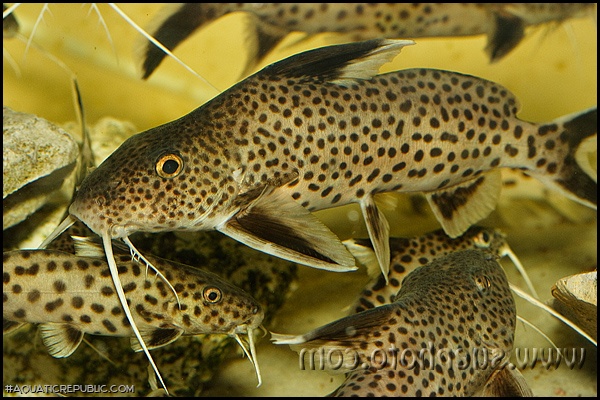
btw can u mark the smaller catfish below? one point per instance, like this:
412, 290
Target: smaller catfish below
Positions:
448, 332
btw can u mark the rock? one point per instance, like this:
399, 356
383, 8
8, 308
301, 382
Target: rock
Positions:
577, 299
38, 157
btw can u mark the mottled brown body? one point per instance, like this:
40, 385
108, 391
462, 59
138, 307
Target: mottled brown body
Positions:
407, 254
503, 23
75, 295
452, 306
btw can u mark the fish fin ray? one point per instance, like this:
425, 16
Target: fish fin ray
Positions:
9, 326
175, 23
362, 250
61, 339
342, 332
576, 178
340, 64
506, 382
88, 247
266, 38
63, 226
460, 206
155, 338
506, 33
379, 233
91, 246
276, 224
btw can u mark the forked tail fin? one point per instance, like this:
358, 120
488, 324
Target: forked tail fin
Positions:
573, 176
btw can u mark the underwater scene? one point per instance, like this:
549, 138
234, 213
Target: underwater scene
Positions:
300, 199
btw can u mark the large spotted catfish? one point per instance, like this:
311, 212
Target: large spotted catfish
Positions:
321, 129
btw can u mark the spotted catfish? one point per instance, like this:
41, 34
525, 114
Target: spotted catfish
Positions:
321, 129
410, 253
503, 23
449, 331
70, 295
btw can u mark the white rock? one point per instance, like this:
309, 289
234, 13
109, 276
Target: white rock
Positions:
37, 158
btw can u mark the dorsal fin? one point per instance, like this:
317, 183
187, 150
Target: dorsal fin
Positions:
339, 64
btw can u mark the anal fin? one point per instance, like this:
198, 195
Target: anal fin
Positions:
276, 224
460, 206
155, 338
379, 233
61, 339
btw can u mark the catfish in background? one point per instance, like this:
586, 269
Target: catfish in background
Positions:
503, 23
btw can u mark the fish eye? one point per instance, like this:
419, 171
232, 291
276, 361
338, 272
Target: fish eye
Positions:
483, 239
212, 294
169, 165
483, 282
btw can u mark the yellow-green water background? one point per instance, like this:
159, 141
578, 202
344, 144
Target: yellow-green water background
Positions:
553, 72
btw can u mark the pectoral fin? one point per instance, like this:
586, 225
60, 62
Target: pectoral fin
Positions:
462, 205
506, 382
11, 326
343, 332
379, 232
275, 224
61, 339
155, 338
363, 252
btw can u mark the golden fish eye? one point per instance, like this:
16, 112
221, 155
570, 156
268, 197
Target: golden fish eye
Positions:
212, 294
169, 165
483, 282
483, 239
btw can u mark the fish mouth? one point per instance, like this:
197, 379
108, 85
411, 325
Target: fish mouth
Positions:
248, 346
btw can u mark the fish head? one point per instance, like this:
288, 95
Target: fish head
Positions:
490, 239
160, 179
471, 286
223, 308
231, 308
217, 306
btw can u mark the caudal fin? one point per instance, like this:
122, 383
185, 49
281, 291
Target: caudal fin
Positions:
175, 24
574, 176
